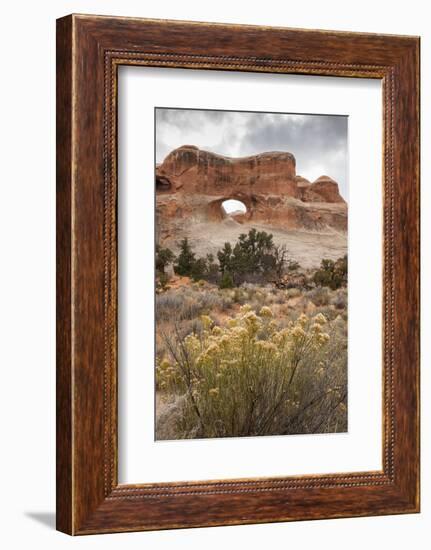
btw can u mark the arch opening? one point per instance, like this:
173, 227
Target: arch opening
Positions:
233, 207
163, 184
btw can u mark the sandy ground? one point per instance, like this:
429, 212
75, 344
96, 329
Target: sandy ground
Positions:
307, 248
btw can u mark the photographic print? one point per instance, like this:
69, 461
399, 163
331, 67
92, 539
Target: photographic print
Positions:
250, 273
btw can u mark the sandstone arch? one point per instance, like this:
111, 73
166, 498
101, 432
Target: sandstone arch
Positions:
214, 209
191, 184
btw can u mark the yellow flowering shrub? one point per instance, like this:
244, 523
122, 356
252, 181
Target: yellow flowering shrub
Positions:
246, 377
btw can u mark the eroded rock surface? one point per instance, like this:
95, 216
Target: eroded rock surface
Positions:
192, 184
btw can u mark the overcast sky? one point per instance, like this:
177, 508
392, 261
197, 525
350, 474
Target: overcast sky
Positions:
318, 142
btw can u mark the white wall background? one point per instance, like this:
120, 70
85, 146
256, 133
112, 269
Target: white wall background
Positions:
27, 244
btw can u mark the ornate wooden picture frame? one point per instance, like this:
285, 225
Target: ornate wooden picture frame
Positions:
89, 51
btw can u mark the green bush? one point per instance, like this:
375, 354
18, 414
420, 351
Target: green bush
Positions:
332, 274
185, 260
164, 257
254, 257
198, 269
226, 280
292, 265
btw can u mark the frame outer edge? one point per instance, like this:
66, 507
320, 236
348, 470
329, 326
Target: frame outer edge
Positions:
64, 367
407, 270
81, 507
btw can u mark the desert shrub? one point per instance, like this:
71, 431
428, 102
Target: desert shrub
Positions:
187, 303
212, 271
319, 296
177, 305
328, 311
204, 269
250, 287
261, 297
292, 265
280, 259
198, 269
279, 297
164, 257
239, 296
211, 300
249, 377
226, 297
166, 304
168, 413
332, 274
339, 300
162, 281
253, 258
292, 293
226, 280
187, 264
253, 252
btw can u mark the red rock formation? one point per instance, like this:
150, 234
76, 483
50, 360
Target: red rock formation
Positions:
324, 189
200, 171
192, 184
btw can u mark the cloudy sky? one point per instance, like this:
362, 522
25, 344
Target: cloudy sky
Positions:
318, 142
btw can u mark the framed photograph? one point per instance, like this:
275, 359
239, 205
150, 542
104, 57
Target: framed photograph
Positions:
237, 274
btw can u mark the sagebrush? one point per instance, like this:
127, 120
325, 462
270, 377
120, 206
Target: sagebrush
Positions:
250, 376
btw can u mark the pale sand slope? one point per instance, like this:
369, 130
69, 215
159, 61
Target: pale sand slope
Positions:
306, 247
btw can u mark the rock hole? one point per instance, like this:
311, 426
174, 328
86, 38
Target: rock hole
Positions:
233, 207
163, 184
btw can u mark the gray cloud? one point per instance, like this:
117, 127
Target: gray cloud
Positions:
318, 142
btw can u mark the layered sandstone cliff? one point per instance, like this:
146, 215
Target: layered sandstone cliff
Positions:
192, 184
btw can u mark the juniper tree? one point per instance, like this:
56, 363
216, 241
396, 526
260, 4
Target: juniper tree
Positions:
185, 259
164, 256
